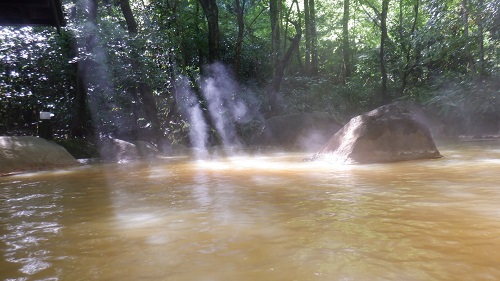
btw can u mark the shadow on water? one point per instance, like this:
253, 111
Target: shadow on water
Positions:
257, 217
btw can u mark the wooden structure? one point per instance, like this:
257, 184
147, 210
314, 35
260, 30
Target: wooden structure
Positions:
32, 13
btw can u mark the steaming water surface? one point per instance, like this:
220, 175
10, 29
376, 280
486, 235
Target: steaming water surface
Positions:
257, 218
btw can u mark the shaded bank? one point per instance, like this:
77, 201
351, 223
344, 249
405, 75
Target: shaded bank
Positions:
302, 131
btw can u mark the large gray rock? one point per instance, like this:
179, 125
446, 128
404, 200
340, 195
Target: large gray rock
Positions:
23, 154
305, 131
117, 150
391, 133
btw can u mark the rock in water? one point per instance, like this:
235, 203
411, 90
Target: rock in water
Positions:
117, 150
22, 154
390, 133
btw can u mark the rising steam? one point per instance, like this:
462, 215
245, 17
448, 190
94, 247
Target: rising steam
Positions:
226, 108
191, 108
224, 103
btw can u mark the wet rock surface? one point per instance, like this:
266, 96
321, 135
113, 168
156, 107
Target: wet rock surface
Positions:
391, 133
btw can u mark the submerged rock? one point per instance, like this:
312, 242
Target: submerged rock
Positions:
305, 131
24, 154
391, 133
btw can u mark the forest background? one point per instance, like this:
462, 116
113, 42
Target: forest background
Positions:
137, 69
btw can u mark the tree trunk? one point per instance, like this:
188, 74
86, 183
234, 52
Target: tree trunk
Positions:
150, 109
81, 116
307, 19
383, 38
147, 100
408, 49
480, 27
132, 30
346, 50
274, 13
279, 71
314, 39
129, 17
465, 19
211, 12
241, 29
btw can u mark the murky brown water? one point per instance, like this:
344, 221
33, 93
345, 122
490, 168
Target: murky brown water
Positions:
257, 218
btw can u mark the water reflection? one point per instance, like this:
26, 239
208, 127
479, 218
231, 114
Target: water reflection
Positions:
257, 218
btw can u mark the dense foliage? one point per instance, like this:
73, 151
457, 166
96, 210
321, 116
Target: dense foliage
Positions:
136, 69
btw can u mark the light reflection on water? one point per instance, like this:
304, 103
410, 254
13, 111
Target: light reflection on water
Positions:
257, 218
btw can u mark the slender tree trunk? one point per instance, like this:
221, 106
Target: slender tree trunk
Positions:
293, 45
346, 50
129, 16
241, 30
465, 19
279, 71
274, 13
81, 115
133, 92
92, 10
480, 26
307, 19
409, 65
211, 12
314, 39
177, 63
175, 60
147, 100
383, 38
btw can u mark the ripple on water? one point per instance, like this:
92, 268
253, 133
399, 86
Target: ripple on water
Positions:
273, 218
30, 217
33, 265
28, 197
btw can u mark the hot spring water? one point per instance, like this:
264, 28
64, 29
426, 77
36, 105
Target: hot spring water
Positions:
257, 217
